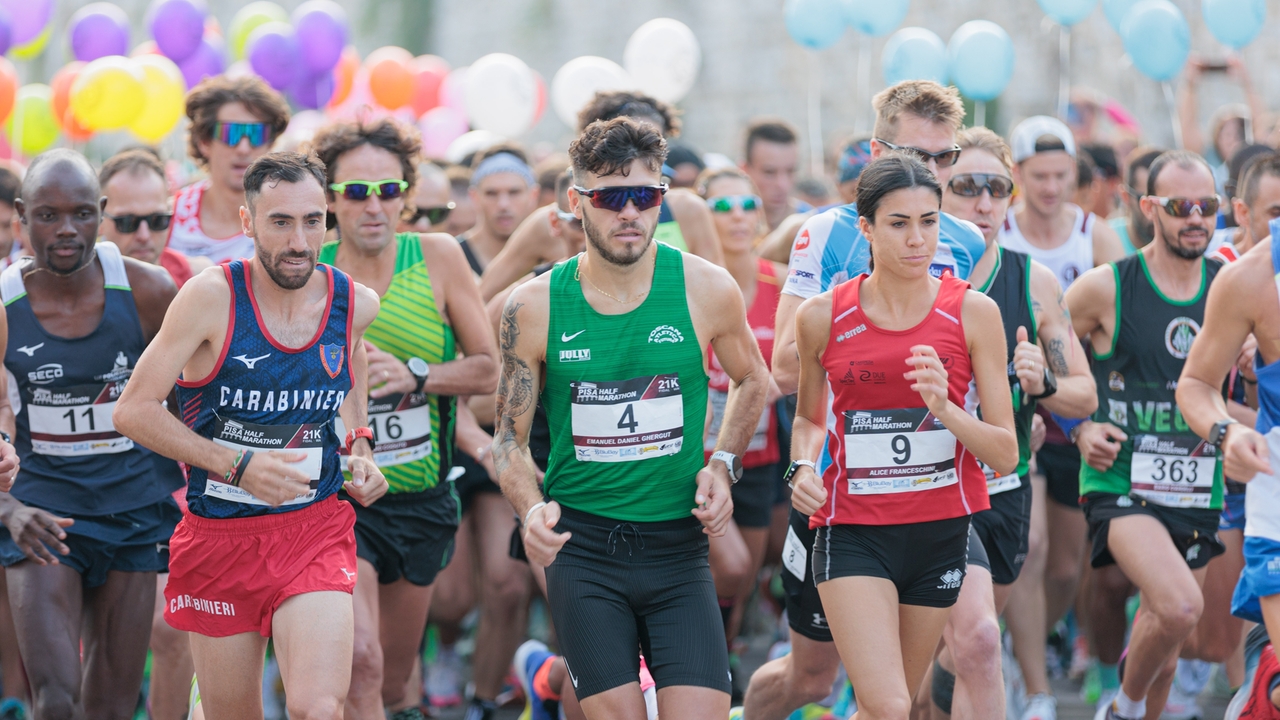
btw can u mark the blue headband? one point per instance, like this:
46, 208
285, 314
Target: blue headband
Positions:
853, 158
503, 162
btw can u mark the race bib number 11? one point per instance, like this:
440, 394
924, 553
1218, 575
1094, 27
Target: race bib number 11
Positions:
627, 420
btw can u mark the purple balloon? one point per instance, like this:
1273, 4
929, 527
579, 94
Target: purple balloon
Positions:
206, 61
178, 27
99, 30
321, 29
313, 92
273, 54
29, 18
6, 30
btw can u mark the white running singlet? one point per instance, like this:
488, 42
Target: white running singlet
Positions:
187, 237
1069, 260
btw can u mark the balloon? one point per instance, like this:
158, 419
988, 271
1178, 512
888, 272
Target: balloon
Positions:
662, 57
247, 19
501, 95
166, 98
540, 106
273, 54
147, 47
390, 76
61, 84
72, 129
344, 75
451, 89
313, 91
32, 50
980, 59
177, 26
321, 27
1116, 10
32, 128
876, 18
815, 24
8, 86
578, 80
208, 60
1067, 12
30, 19
1157, 38
470, 143
6, 30
97, 30
108, 94
440, 126
1234, 22
429, 72
914, 53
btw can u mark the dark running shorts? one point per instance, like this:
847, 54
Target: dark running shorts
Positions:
1060, 465
926, 561
753, 496
1194, 532
1005, 531
408, 535
804, 607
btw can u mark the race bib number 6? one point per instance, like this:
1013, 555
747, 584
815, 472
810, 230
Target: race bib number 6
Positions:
627, 420
894, 451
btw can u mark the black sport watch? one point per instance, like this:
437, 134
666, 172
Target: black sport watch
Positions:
420, 370
1050, 384
1218, 432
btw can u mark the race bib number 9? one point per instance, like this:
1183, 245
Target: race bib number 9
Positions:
401, 427
894, 451
75, 421
306, 440
1173, 470
627, 420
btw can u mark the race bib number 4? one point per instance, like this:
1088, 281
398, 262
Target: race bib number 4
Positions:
894, 451
627, 420
401, 427
1173, 470
306, 439
75, 421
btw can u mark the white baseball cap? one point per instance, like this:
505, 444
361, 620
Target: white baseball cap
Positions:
1026, 136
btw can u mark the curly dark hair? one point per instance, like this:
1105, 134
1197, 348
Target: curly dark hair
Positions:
205, 99
621, 103
607, 147
276, 167
403, 141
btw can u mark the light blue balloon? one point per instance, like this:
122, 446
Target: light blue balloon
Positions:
980, 59
1067, 12
815, 24
1116, 10
1234, 22
876, 18
914, 53
1157, 38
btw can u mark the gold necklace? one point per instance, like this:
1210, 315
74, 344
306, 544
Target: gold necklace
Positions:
577, 275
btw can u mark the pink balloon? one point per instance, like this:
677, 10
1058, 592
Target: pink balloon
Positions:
453, 90
440, 126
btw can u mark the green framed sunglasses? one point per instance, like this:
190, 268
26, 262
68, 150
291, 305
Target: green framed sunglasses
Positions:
358, 190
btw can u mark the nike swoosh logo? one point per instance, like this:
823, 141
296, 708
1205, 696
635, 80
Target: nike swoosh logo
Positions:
30, 351
565, 337
571, 677
250, 362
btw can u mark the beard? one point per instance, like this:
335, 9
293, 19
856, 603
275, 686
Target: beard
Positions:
282, 277
596, 238
1177, 247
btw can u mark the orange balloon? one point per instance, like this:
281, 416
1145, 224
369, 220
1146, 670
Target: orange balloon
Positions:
428, 72
72, 128
61, 83
344, 75
8, 87
391, 77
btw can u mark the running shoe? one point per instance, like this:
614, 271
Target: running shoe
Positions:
1041, 706
1259, 705
1107, 697
193, 699
1108, 712
410, 713
1015, 688
735, 713
442, 679
1189, 681
480, 710
530, 657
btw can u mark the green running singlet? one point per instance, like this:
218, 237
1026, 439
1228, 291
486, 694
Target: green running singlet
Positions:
626, 399
413, 433
668, 230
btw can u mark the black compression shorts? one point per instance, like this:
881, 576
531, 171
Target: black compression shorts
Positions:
1005, 531
408, 535
926, 561
1194, 532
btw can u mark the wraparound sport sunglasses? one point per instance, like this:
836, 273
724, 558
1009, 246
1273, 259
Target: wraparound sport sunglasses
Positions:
1183, 207
433, 215
616, 197
126, 224
726, 203
258, 134
358, 190
972, 185
945, 159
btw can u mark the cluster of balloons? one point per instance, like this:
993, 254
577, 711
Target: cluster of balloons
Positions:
817, 24
24, 27
299, 54
978, 59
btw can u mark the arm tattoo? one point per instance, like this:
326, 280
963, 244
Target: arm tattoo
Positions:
515, 386
1057, 358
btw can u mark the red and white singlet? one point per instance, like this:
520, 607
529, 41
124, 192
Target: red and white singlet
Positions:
187, 237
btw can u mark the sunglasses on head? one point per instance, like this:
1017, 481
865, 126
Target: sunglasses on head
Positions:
358, 190
433, 215
258, 134
127, 224
1183, 207
726, 203
616, 197
972, 185
945, 159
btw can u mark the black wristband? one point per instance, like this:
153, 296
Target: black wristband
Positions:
240, 468
1050, 385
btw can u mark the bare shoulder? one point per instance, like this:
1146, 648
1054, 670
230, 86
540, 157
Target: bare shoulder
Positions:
1098, 283
366, 308
1248, 276
530, 303
707, 282
815, 309
441, 245
150, 283
977, 307
206, 289
683, 201
1045, 287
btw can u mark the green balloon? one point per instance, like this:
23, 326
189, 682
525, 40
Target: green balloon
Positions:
248, 19
31, 127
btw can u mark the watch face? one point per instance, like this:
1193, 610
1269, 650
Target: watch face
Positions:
417, 366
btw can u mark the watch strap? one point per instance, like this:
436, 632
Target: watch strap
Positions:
731, 461
356, 433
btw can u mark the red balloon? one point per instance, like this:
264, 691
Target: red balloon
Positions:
391, 77
72, 128
8, 87
428, 72
61, 84
540, 103
344, 75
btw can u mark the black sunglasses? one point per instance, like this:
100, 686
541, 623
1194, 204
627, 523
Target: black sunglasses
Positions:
433, 215
616, 197
945, 159
129, 223
972, 185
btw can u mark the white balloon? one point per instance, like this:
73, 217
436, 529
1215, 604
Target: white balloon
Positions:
501, 95
469, 143
663, 57
578, 80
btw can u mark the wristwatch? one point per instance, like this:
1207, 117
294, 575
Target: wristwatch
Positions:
356, 433
795, 466
731, 461
1218, 432
1050, 384
420, 370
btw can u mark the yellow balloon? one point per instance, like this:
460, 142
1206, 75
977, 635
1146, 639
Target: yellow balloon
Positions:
31, 50
248, 18
165, 93
109, 93
31, 127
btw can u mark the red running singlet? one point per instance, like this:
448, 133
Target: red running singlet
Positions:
888, 460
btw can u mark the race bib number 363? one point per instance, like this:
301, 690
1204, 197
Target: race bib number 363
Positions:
622, 421
1173, 470
894, 451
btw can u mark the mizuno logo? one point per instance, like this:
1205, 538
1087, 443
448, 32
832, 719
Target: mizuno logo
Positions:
250, 362
348, 573
565, 337
30, 351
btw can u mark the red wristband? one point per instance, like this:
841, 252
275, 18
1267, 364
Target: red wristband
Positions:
356, 434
